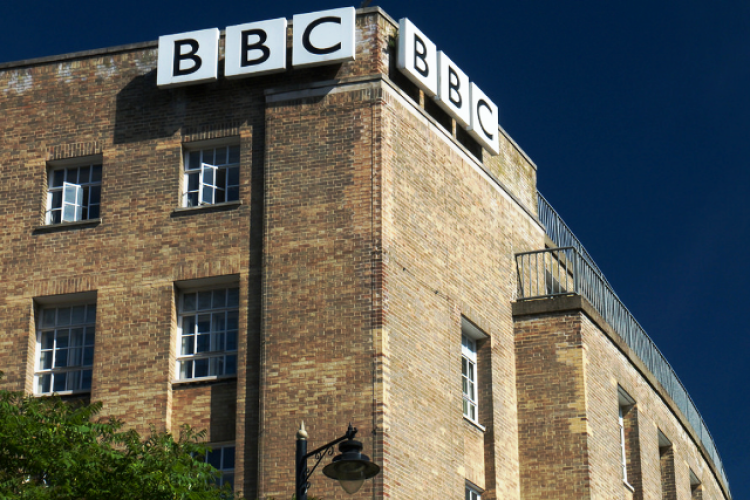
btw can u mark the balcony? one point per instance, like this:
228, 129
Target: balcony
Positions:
569, 270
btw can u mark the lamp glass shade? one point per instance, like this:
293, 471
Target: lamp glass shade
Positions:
351, 487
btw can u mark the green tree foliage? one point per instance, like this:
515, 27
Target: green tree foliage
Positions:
54, 450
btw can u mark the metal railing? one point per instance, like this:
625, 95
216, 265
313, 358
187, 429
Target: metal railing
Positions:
565, 271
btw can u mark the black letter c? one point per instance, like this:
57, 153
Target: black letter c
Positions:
306, 36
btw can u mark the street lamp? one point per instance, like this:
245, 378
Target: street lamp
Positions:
350, 467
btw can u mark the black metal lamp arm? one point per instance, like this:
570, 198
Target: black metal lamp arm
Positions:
302, 472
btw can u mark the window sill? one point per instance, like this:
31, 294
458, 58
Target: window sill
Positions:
628, 486
62, 226
230, 205
475, 424
62, 394
204, 380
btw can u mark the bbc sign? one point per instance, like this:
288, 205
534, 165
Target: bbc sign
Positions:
255, 49
319, 38
441, 79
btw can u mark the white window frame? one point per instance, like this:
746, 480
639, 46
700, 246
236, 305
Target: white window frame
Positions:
472, 493
469, 379
208, 336
224, 451
211, 174
58, 360
625, 404
73, 192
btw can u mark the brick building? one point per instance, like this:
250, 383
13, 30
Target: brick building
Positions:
328, 244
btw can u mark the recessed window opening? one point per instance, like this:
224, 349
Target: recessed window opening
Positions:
65, 348
208, 325
212, 175
73, 192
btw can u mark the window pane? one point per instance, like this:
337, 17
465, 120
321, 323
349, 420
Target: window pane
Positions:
214, 458
208, 156
96, 173
48, 340
56, 199
58, 177
203, 343
217, 342
232, 320
192, 199
193, 181
219, 322
62, 339
220, 298
63, 316
233, 194
204, 300
83, 175
78, 315
231, 365
76, 337
86, 379
95, 194
44, 383
73, 381
187, 345
61, 358
234, 154
56, 217
216, 366
74, 357
188, 302
186, 369
45, 362
88, 356
91, 314
221, 156
48, 318
93, 212
231, 341
59, 382
188, 325
204, 323
233, 176
207, 196
228, 458
201, 368
194, 160
233, 297
221, 178
69, 213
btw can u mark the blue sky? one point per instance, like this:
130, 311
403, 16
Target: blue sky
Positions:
636, 113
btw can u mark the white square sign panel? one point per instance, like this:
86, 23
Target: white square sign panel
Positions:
484, 121
453, 90
417, 57
188, 58
255, 49
323, 37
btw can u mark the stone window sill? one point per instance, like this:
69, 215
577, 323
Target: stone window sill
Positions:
62, 226
230, 205
204, 380
475, 424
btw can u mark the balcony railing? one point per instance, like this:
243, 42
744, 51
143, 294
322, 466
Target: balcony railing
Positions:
569, 270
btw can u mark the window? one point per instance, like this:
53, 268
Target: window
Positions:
472, 493
222, 458
208, 325
623, 447
469, 377
629, 452
696, 490
666, 465
73, 193
65, 348
212, 176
